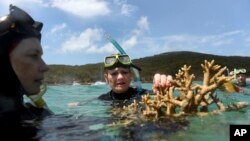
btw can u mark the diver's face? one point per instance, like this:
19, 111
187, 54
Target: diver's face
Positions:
241, 78
118, 79
27, 63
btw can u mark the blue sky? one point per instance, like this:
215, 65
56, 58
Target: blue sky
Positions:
73, 32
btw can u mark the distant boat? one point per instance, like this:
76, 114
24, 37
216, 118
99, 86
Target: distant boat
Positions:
99, 83
75, 83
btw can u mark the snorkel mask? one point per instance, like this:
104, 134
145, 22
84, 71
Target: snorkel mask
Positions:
16, 26
239, 71
118, 60
239, 75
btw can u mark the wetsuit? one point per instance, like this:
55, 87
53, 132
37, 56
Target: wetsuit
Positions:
17, 119
123, 99
15, 116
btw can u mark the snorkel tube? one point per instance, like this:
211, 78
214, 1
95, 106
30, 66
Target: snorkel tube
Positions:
137, 79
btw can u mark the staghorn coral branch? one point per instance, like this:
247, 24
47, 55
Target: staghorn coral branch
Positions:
218, 74
190, 98
206, 72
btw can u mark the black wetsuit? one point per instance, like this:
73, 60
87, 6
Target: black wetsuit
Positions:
17, 120
123, 99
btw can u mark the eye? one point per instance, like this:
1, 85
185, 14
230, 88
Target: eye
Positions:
114, 73
124, 72
35, 56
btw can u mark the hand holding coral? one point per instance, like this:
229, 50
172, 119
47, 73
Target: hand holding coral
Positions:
161, 82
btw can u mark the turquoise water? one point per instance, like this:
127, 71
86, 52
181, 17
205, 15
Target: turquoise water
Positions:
90, 119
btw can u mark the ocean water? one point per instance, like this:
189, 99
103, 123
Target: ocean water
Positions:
80, 116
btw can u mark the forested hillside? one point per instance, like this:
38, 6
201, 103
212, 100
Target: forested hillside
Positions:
168, 63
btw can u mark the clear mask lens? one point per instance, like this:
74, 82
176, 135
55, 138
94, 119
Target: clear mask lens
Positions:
112, 60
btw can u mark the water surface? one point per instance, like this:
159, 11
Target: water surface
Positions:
91, 119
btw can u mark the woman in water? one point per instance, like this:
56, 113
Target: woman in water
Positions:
22, 72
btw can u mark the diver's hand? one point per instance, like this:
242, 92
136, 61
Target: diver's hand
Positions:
161, 82
37, 99
73, 104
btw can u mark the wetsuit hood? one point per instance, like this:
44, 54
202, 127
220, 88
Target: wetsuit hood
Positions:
14, 27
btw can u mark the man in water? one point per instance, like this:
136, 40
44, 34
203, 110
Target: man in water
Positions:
240, 80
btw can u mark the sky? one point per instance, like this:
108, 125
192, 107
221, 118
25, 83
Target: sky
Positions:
74, 30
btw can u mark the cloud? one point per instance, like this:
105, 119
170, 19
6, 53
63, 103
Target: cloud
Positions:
222, 42
130, 43
126, 9
24, 3
196, 43
85, 41
89, 41
83, 8
142, 26
107, 48
58, 28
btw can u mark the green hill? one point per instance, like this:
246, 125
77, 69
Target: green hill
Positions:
168, 63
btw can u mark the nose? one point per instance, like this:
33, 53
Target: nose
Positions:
44, 66
120, 75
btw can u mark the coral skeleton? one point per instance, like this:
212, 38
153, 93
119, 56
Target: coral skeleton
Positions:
185, 97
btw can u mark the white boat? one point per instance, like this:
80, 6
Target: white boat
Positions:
75, 83
99, 83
